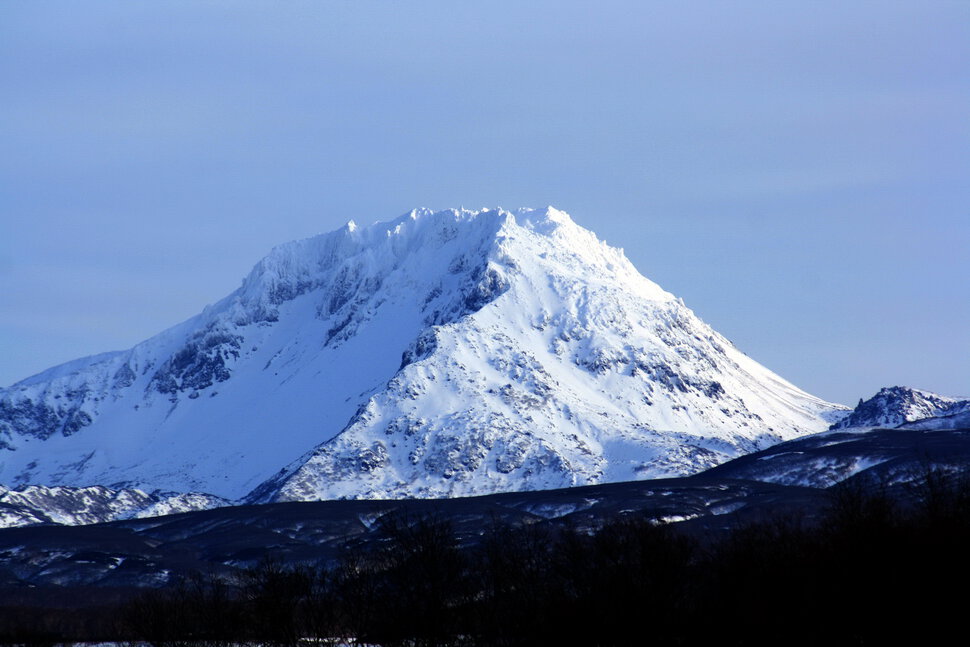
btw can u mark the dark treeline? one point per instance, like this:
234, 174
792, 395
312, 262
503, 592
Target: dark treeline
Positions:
867, 571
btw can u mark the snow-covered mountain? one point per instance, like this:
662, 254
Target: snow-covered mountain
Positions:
897, 405
438, 354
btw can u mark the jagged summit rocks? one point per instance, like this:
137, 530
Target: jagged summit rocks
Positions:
439, 354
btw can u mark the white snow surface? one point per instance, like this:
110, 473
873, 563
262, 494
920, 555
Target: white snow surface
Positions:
439, 354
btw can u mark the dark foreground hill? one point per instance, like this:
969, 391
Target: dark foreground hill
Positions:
716, 557
793, 477
153, 552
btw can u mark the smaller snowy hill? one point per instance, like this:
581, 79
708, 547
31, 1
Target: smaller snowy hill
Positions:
898, 405
955, 418
76, 506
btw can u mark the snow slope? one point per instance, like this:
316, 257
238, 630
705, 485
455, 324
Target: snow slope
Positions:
438, 354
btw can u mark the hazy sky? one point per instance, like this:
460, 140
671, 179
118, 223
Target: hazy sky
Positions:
798, 172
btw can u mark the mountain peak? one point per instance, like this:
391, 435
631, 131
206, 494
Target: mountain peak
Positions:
510, 239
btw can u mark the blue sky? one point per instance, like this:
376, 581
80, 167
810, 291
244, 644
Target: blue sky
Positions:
798, 172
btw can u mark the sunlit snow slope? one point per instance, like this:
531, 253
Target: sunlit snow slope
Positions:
438, 354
